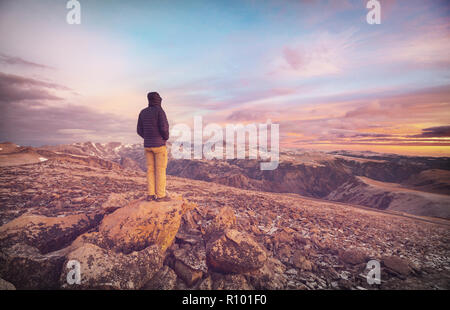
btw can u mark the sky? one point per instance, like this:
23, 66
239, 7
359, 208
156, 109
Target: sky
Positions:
317, 68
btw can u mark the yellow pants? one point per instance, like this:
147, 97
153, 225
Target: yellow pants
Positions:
156, 170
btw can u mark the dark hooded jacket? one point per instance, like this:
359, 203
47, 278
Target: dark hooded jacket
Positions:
152, 123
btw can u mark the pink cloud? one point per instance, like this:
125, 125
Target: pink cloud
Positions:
318, 54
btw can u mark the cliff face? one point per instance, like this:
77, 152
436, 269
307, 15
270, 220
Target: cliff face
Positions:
211, 236
305, 179
431, 180
393, 197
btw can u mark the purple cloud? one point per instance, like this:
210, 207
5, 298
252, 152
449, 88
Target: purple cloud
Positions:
438, 132
11, 60
18, 88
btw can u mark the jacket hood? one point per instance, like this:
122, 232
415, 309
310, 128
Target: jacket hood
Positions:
154, 98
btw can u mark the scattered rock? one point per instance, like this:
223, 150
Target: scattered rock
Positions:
284, 253
206, 284
164, 279
189, 222
189, 275
194, 258
232, 282
270, 276
353, 257
235, 252
188, 238
397, 264
300, 261
283, 237
292, 271
225, 219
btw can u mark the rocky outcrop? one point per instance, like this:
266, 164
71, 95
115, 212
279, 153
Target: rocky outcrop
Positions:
127, 251
124, 252
140, 224
31, 255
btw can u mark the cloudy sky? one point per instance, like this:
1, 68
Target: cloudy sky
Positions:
317, 68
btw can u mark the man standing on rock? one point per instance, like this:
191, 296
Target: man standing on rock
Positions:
154, 128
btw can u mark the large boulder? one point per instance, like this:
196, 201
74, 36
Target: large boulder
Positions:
141, 223
235, 252
104, 269
46, 233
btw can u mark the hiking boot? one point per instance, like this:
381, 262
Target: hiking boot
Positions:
165, 198
150, 197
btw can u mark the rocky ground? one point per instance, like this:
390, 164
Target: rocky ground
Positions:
214, 237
